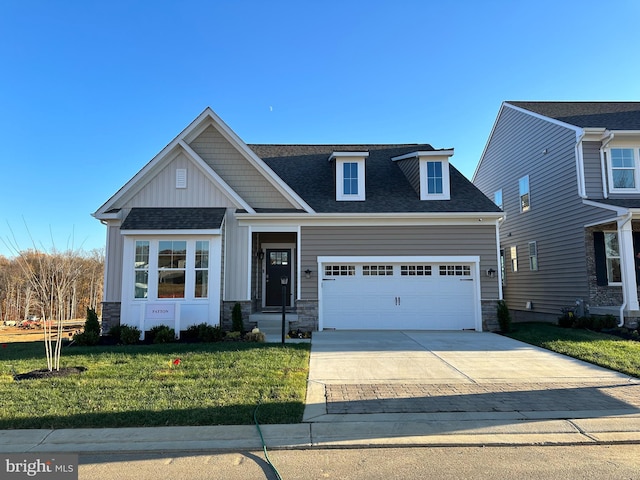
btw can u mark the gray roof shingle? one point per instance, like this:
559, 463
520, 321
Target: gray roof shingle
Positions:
307, 170
610, 115
174, 219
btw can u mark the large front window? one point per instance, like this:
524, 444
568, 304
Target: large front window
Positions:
172, 263
623, 168
612, 252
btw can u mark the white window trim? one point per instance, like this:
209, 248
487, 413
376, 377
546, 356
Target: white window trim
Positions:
350, 157
607, 257
528, 193
495, 194
446, 184
535, 255
513, 259
636, 169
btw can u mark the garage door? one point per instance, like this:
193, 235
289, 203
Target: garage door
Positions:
398, 295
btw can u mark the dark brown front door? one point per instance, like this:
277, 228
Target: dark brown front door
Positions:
278, 266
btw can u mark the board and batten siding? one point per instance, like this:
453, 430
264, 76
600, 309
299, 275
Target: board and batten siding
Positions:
521, 145
592, 169
161, 191
237, 171
454, 240
113, 267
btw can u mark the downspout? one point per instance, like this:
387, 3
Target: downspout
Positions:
603, 167
500, 292
582, 189
621, 223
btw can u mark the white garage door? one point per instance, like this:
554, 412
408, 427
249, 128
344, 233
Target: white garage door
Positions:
397, 295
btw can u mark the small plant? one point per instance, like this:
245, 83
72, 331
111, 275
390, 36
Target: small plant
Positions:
237, 325
161, 334
204, 332
129, 335
504, 317
568, 317
255, 336
233, 336
91, 334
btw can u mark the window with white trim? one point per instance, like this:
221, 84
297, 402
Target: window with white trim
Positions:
497, 198
612, 252
533, 256
141, 269
339, 270
525, 200
350, 175
377, 270
624, 168
172, 263
434, 179
513, 254
202, 269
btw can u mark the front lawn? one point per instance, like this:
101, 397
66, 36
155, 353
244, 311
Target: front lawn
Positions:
155, 385
601, 349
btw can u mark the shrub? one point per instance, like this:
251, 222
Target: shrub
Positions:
161, 334
255, 337
567, 319
233, 336
91, 334
114, 332
204, 333
504, 317
596, 323
129, 335
237, 325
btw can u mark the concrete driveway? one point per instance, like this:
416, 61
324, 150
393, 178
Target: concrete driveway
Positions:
442, 375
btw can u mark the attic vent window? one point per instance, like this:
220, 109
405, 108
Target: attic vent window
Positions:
181, 178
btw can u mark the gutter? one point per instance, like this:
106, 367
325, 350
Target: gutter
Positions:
605, 191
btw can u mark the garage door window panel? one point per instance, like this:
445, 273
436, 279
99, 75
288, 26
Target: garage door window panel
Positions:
339, 270
377, 270
415, 270
455, 270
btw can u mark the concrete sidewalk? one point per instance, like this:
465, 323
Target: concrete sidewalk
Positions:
407, 389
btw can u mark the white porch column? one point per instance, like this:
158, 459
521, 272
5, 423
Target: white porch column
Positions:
627, 264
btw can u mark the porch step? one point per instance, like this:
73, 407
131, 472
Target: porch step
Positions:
271, 323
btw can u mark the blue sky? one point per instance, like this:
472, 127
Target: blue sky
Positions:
90, 91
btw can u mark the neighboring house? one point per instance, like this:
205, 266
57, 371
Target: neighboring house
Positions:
367, 236
567, 175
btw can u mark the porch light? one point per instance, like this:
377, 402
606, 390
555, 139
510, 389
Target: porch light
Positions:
307, 273
260, 254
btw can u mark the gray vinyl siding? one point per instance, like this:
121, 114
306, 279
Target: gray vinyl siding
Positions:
411, 169
113, 285
397, 241
592, 169
161, 190
557, 216
236, 171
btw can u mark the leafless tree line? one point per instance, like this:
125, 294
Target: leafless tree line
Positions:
51, 285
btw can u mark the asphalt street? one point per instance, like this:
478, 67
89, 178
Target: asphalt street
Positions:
600, 462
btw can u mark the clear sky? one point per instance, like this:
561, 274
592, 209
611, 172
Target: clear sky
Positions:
91, 90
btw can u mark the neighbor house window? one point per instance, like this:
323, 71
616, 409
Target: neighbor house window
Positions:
172, 262
513, 253
612, 252
525, 201
533, 256
202, 269
623, 168
497, 198
141, 268
503, 271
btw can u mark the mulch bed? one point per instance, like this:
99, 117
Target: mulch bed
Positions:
45, 373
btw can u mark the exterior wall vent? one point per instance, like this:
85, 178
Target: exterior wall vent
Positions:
181, 178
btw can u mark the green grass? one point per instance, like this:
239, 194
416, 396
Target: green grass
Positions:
601, 349
135, 386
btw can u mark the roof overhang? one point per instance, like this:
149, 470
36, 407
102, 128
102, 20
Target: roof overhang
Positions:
429, 153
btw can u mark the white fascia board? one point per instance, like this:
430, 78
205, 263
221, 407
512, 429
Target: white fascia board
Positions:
335, 155
400, 258
258, 163
430, 153
619, 210
163, 233
215, 178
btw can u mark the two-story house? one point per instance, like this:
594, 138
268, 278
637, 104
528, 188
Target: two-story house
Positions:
350, 236
567, 175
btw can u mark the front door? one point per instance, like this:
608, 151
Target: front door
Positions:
278, 266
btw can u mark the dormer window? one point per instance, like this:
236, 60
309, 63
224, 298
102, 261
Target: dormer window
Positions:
434, 172
350, 175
